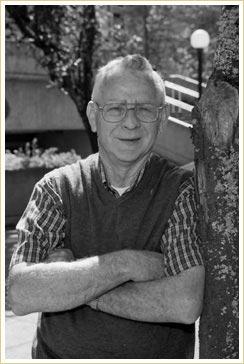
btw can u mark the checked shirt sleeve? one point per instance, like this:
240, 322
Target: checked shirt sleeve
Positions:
41, 227
180, 243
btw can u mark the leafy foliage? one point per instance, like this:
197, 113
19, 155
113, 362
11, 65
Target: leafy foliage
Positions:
226, 58
34, 157
160, 32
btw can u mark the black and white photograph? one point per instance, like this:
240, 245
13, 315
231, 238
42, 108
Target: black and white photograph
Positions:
120, 204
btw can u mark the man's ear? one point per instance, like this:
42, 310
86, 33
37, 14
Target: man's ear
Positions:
164, 118
91, 114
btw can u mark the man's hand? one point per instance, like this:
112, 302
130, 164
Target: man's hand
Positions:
60, 255
171, 299
145, 265
93, 304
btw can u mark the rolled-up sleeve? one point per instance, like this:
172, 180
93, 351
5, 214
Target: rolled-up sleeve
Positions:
41, 227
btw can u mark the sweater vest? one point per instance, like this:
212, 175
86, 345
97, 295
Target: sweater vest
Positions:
98, 223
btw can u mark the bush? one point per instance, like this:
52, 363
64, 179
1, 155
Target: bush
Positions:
34, 157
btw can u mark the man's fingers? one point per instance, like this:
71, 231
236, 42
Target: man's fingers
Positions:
60, 255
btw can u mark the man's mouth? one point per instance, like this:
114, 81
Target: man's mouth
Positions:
129, 139
129, 142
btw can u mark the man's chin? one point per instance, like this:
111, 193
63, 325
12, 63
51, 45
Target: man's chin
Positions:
126, 156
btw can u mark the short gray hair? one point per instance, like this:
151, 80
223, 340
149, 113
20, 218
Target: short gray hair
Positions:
134, 63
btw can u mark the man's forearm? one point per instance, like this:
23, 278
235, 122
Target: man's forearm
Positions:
63, 285
59, 286
172, 299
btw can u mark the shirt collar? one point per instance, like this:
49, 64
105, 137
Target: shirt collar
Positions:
135, 182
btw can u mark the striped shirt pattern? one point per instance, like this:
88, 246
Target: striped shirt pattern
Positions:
42, 227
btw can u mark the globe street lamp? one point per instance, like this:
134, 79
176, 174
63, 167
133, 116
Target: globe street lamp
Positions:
199, 40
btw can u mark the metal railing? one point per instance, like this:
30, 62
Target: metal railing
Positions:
181, 95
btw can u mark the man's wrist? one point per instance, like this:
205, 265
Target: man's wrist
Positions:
93, 304
122, 266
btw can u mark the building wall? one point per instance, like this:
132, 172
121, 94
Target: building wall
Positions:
34, 107
33, 104
175, 142
37, 110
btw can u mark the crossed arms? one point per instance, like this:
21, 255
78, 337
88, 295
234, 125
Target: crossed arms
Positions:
126, 283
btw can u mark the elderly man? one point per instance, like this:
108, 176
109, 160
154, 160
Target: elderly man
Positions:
108, 250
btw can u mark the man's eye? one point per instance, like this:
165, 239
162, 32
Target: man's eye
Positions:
145, 108
115, 109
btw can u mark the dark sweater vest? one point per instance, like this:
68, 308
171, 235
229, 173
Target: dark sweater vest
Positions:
99, 223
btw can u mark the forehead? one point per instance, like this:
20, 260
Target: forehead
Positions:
128, 86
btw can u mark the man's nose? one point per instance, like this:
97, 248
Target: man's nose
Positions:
131, 121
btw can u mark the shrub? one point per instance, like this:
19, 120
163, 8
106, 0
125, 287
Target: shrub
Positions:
31, 156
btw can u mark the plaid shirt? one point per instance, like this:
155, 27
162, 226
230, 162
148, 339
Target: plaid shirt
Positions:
42, 226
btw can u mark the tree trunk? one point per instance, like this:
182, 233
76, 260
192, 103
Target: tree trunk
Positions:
87, 48
79, 79
216, 158
145, 31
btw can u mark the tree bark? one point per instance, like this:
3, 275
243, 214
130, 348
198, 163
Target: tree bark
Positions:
215, 136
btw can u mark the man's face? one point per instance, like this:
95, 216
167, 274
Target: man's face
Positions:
130, 140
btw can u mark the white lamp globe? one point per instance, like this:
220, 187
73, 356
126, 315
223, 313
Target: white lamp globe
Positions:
200, 39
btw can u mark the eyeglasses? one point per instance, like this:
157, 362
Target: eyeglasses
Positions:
115, 112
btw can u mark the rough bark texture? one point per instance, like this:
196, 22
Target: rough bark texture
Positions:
216, 157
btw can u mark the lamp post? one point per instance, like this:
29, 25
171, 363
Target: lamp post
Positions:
199, 40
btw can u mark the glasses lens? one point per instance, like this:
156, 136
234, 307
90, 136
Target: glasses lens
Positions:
114, 112
146, 112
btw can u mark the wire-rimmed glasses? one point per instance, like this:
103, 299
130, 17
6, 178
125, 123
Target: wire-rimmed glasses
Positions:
115, 112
